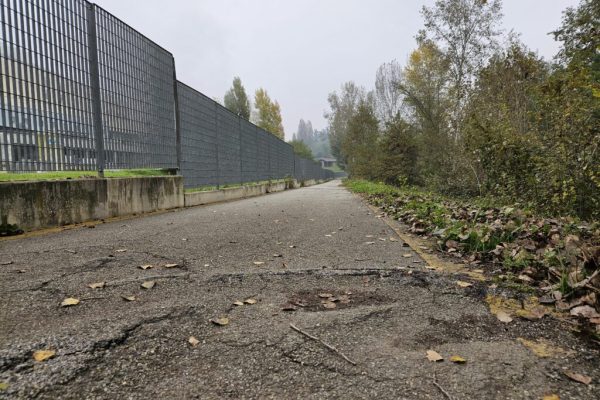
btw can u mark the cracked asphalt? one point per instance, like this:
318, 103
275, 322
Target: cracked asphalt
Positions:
283, 250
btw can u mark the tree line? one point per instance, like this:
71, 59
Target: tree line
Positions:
474, 112
266, 113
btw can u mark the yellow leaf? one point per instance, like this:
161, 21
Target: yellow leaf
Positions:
148, 284
221, 321
458, 360
3, 386
238, 303
193, 341
551, 397
97, 285
407, 255
434, 356
541, 347
43, 355
71, 301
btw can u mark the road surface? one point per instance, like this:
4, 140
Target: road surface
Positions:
290, 252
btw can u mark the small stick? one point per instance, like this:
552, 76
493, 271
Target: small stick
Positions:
437, 385
330, 347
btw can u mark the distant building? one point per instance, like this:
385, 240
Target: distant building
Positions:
326, 162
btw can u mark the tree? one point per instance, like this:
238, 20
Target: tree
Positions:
359, 144
388, 98
268, 114
466, 32
399, 154
343, 107
301, 149
236, 99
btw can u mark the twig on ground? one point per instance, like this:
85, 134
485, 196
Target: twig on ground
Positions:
330, 347
437, 385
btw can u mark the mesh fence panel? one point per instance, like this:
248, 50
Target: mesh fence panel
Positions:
137, 94
45, 101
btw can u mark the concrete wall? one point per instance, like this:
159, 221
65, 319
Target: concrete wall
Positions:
40, 204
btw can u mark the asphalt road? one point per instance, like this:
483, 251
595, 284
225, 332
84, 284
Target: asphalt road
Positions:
283, 250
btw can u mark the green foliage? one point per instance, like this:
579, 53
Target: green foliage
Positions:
268, 114
359, 143
301, 149
236, 99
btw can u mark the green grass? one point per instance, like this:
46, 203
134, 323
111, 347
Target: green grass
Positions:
56, 175
371, 188
230, 186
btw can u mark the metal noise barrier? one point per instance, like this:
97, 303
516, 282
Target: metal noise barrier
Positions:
80, 90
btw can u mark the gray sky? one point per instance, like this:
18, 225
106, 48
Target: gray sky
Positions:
301, 50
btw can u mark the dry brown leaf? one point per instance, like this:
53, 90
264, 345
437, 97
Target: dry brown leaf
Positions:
250, 301
121, 250
171, 265
277, 255
97, 285
193, 341
330, 305
434, 356
458, 360
145, 267
369, 243
221, 321
70, 301
289, 307
532, 314
503, 317
585, 311
148, 284
128, 298
325, 295
43, 355
258, 262
551, 397
463, 284
238, 303
586, 380
327, 235
392, 239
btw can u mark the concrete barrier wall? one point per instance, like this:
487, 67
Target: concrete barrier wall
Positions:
41, 204
216, 196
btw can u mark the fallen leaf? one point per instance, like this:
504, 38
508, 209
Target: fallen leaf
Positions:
585, 311
250, 301
369, 243
542, 348
551, 397
289, 307
327, 235
148, 284
70, 301
393, 239
6, 262
330, 305
121, 250
368, 236
382, 239
277, 255
258, 262
458, 360
221, 321
97, 285
434, 356
503, 317
238, 303
586, 380
325, 295
532, 314
206, 265
293, 246
407, 255
463, 284
145, 267
193, 341
43, 355
128, 298
3, 385
171, 265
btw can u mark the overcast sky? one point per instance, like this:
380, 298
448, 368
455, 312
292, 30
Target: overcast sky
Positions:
301, 50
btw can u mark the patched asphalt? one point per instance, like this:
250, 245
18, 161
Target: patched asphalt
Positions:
286, 251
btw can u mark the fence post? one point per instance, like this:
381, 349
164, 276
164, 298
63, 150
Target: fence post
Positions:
177, 120
95, 87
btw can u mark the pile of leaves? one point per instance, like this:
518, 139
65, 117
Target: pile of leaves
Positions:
558, 257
